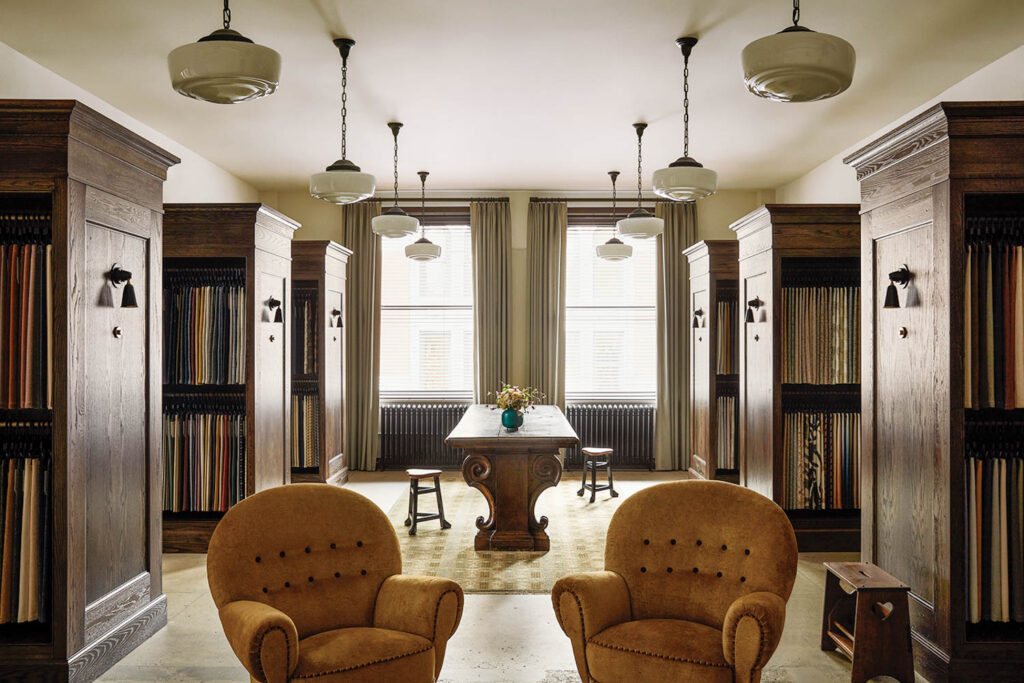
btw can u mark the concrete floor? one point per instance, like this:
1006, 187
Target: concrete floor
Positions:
491, 644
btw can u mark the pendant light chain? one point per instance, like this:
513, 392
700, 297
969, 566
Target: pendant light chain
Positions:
227, 15
686, 105
423, 200
639, 167
615, 223
344, 103
396, 167
796, 12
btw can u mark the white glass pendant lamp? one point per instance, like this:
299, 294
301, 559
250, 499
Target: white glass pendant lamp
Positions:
798, 64
224, 67
640, 223
423, 249
685, 179
343, 182
614, 249
394, 222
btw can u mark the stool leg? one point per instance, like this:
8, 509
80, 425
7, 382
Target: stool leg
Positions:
583, 486
611, 481
445, 524
415, 506
408, 517
593, 481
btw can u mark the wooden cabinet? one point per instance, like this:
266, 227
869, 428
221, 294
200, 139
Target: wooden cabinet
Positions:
241, 374
714, 359
96, 192
798, 366
943, 183
318, 362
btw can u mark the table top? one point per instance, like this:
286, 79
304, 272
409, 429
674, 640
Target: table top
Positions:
865, 576
543, 427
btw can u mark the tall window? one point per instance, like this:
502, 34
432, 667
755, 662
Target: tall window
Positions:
611, 316
426, 347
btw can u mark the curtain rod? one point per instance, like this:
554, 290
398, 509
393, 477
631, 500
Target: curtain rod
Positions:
568, 200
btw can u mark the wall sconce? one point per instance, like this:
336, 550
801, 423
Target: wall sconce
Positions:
118, 277
336, 318
752, 305
698, 316
903, 276
275, 305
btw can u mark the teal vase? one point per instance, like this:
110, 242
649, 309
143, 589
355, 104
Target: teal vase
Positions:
511, 420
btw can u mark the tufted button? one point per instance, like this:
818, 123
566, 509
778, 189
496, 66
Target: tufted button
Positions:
264, 589
673, 541
719, 574
257, 558
699, 542
282, 553
337, 575
334, 546
743, 579
307, 549
694, 570
724, 547
647, 541
643, 569
359, 544
311, 579
287, 585
363, 572
747, 551
669, 570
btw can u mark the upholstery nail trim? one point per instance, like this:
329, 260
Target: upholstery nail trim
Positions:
437, 611
319, 674
583, 626
762, 646
684, 660
259, 650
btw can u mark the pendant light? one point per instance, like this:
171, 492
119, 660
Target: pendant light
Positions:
423, 249
798, 64
224, 67
394, 222
614, 249
685, 179
343, 182
640, 223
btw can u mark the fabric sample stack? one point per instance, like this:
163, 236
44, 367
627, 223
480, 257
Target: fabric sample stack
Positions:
304, 321
728, 339
305, 432
25, 521
727, 437
821, 335
204, 460
821, 461
26, 302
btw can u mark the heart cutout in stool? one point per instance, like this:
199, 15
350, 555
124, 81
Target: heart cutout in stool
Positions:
883, 610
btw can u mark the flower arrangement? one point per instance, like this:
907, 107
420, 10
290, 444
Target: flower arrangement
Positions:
516, 398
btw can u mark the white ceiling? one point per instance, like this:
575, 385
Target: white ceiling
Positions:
518, 94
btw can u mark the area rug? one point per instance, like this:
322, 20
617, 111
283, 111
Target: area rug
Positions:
577, 529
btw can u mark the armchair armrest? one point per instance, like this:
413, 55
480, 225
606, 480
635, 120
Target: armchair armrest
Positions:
426, 606
263, 638
586, 604
752, 630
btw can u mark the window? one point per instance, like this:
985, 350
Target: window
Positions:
611, 320
426, 321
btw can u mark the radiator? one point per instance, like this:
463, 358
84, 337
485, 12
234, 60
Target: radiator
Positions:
626, 428
413, 434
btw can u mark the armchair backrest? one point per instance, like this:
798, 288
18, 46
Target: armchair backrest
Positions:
316, 552
688, 549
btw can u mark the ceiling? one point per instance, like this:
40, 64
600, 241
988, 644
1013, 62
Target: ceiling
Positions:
524, 94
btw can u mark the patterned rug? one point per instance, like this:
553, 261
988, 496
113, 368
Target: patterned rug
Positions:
577, 530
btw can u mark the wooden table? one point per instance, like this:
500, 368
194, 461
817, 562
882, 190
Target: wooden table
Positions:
511, 469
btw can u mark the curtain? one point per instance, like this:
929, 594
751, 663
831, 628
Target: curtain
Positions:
546, 257
490, 224
672, 432
362, 335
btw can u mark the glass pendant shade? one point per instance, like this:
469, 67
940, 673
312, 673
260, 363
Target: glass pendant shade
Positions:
394, 223
423, 250
225, 67
342, 183
614, 250
685, 180
798, 65
641, 224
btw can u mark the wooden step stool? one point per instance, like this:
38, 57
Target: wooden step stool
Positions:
591, 462
871, 624
415, 490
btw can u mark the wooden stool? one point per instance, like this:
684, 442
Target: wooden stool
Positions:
871, 625
414, 493
592, 461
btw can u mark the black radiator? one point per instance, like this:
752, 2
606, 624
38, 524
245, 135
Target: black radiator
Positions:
626, 428
413, 434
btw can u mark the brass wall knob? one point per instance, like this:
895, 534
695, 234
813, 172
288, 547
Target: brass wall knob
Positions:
903, 332
117, 333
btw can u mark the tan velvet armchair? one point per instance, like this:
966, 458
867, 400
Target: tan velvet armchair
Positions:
697, 574
308, 582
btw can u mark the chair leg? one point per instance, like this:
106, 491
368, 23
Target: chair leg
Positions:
415, 507
593, 481
611, 481
408, 517
445, 524
583, 486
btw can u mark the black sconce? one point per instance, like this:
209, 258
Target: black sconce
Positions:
903, 277
118, 277
336, 318
275, 305
698, 315
752, 305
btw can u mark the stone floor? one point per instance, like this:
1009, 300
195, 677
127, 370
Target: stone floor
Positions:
491, 644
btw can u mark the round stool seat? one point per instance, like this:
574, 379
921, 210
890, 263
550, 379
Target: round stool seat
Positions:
597, 452
423, 474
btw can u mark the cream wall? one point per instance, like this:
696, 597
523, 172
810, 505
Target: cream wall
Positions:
833, 181
195, 179
322, 221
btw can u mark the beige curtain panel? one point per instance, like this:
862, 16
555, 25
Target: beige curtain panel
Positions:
672, 432
490, 223
362, 335
545, 248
